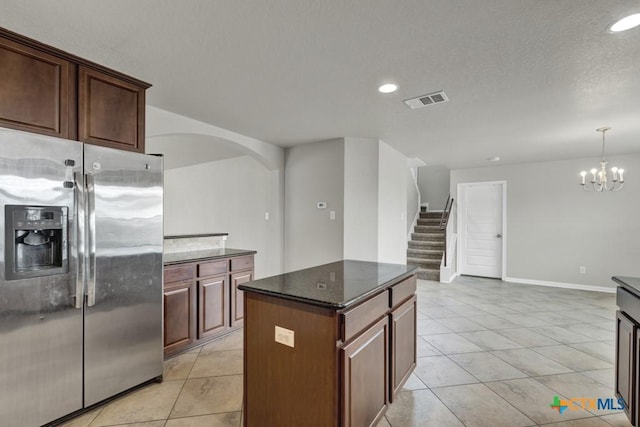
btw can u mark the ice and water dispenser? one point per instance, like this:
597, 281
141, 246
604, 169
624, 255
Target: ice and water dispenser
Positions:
36, 241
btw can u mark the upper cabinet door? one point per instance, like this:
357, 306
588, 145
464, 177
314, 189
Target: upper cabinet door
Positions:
35, 91
111, 111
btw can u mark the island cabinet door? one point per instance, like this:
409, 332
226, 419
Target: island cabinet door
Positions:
625, 363
365, 367
403, 344
212, 310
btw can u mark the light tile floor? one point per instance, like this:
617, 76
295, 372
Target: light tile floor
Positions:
490, 353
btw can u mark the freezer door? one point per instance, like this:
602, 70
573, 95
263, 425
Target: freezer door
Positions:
40, 326
123, 314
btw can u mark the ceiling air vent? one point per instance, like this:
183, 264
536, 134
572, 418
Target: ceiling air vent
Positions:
424, 100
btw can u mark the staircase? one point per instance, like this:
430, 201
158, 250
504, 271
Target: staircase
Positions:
426, 246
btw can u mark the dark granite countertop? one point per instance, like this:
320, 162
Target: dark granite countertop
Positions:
202, 255
632, 284
336, 285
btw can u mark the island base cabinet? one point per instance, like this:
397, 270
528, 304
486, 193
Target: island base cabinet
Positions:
365, 376
289, 380
403, 345
626, 360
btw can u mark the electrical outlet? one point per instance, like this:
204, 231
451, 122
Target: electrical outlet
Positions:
332, 215
266, 215
285, 336
583, 269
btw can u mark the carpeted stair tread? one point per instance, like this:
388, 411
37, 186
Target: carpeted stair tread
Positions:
428, 236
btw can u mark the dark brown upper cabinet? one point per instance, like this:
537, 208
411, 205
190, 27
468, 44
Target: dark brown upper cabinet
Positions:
36, 90
47, 91
110, 111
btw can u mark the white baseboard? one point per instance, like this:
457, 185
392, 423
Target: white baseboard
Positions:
561, 285
448, 280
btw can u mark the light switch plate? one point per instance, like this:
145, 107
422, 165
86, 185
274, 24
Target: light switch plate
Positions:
285, 336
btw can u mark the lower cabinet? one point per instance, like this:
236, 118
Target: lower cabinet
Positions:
202, 301
237, 301
403, 344
179, 315
213, 309
365, 374
627, 347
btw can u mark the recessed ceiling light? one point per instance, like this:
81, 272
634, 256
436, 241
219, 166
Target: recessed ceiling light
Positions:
388, 88
494, 159
626, 23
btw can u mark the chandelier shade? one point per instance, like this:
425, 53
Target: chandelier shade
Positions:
600, 180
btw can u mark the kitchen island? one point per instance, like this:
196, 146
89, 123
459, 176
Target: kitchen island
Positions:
329, 345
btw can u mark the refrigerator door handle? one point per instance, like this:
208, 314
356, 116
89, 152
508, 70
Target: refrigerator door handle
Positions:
91, 240
78, 178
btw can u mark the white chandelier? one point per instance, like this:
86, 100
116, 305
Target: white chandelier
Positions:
599, 179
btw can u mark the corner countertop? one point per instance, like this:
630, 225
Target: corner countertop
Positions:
336, 285
632, 284
204, 255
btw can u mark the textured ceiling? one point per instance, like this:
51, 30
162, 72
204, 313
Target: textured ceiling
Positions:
528, 80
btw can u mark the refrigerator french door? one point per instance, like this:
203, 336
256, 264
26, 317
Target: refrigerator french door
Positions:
80, 275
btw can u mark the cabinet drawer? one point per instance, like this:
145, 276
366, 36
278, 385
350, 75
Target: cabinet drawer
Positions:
179, 272
403, 290
212, 268
242, 263
358, 318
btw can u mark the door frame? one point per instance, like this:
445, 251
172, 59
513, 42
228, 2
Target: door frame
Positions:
461, 186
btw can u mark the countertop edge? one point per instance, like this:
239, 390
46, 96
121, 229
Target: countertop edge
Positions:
624, 282
242, 252
337, 307
188, 236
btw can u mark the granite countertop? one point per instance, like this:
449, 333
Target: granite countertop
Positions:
632, 284
336, 285
201, 255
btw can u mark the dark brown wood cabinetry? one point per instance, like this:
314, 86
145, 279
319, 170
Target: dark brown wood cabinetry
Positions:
355, 358
47, 91
626, 335
627, 375
110, 111
213, 305
365, 376
179, 307
403, 344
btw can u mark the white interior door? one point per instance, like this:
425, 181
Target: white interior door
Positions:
482, 229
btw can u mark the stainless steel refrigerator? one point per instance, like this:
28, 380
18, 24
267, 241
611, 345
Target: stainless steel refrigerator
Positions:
80, 275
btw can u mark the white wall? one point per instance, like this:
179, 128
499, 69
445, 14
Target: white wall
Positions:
361, 199
433, 182
313, 173
229, 196
413, 198
392, 205
553, 227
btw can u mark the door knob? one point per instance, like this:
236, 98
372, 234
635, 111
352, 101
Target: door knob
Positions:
499, 236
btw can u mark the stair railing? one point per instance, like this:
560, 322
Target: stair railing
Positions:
443, 223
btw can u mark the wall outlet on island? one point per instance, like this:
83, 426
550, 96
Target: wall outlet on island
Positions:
284, 336
583, 269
